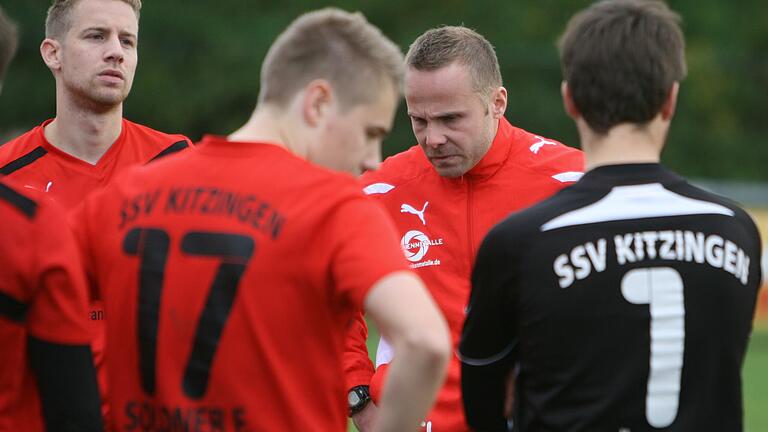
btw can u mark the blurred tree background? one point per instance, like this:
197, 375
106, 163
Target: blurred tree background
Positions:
199, 66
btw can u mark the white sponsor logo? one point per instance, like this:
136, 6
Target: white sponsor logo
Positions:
407, 208
415, 246
535, 147
48, 186
427, 425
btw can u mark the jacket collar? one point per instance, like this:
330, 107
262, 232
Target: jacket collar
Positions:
496, 155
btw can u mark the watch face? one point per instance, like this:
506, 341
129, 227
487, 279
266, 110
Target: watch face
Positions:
353, 399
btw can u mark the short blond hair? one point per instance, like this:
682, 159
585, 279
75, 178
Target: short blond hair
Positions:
335, 45
442, 46
57, 21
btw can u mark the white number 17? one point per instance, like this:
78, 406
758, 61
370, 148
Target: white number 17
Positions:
662, 289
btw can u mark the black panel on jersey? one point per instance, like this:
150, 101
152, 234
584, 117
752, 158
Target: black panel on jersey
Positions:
24, 204
629, 280
173, 148
12, 309
66, 380
23, 161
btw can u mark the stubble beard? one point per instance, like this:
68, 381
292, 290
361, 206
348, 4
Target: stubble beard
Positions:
95, 97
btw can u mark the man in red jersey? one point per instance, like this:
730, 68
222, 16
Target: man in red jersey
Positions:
230, 274
91, 49
469, 171
46, 371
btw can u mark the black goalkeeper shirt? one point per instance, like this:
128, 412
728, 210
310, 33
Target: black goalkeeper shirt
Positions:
623, 303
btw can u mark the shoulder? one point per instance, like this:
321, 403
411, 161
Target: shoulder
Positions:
32, 206
26, 145
398, 170
531, 220
24, 202
154, 134
163, 143
547, 157
727, 206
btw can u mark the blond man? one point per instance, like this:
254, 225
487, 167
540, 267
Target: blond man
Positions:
229, 288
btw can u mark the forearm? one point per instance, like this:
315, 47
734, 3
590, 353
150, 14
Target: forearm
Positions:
409, 319
414, 378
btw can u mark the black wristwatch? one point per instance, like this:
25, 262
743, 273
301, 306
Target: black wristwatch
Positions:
357, 398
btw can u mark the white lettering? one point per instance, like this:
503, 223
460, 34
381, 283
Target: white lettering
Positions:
583, 268
563, 270
713, 250
679, 250
650, 238
597, 256
694, 247
667, 238
729, 264
623, 252
639, 251
745, 268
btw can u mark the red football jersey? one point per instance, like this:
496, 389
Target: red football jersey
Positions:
32, 161
42, 294
35, 163
229, 276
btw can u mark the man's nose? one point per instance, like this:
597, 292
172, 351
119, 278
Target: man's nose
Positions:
114, 49
372, 159
434, 136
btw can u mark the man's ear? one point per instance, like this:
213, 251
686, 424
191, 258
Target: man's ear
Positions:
568, 103
50, 51
499, 102
317, 100
670, 104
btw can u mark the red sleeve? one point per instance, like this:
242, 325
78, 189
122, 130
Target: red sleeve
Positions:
368, 249
59, 312
365, 248
358, 368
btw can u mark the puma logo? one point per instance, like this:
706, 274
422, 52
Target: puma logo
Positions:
407, 208
535, 147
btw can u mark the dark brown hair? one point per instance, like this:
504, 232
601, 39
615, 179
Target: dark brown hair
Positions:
620, 59
8, 42
441, 46
341, 47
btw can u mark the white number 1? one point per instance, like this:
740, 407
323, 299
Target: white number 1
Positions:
662, 289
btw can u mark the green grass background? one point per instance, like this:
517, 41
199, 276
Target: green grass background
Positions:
755, 378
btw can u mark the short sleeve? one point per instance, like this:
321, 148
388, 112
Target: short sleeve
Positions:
365, 248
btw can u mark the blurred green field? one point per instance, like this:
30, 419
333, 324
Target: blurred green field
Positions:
755, 379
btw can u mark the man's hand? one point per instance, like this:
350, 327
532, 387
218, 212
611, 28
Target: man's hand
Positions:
364, 419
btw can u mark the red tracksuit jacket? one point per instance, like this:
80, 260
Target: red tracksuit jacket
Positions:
442, 222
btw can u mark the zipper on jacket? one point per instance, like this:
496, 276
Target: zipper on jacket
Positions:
470, 239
